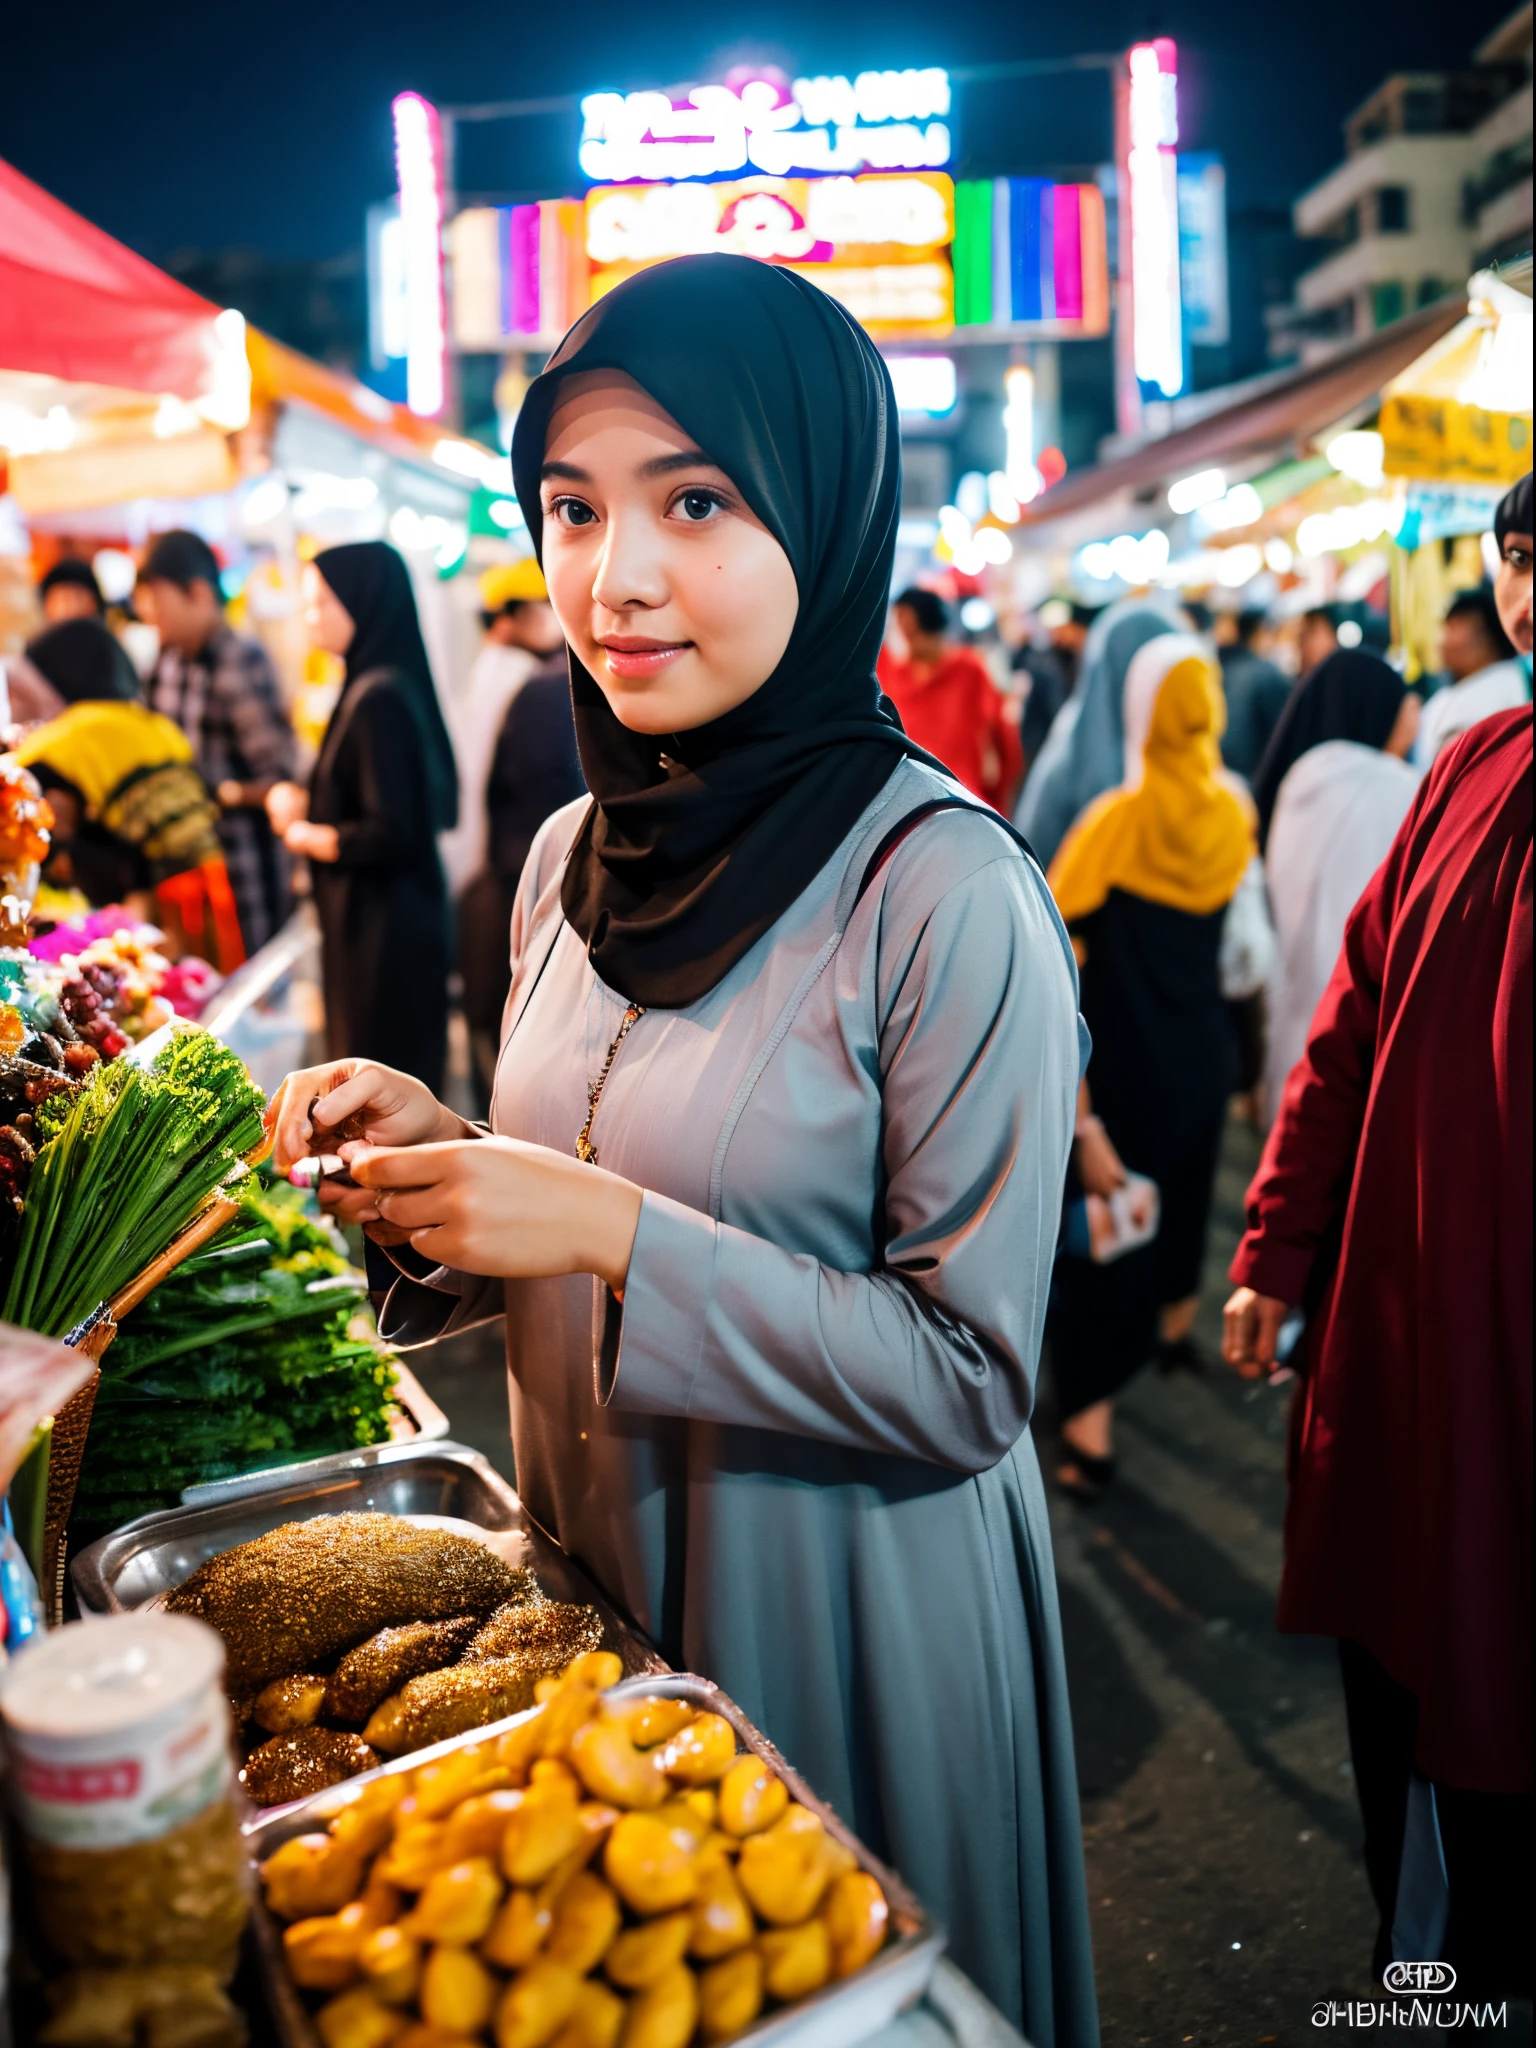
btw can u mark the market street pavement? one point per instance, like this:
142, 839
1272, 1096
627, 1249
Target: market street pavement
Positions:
1222, 1836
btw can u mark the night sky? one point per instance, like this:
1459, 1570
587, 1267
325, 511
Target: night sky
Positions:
181, 127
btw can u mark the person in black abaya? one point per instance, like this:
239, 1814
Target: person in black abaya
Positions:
383, 787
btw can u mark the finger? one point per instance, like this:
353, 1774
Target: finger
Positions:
381, 1233
405, 1166
439, 1244
413, 1208
347, 1205
359, 1090
288, 1117
1270, 1318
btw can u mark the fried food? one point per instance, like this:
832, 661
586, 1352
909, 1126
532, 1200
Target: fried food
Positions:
294, 1599
549, 1633
375, 1669
288, 1703
294, 1766
443, 1703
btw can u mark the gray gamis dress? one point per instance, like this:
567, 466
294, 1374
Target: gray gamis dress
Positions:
798, 1453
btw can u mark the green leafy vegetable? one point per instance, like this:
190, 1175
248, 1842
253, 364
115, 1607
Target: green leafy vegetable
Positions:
257, 1350
120, 1169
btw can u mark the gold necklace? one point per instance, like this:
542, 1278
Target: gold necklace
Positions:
586, 1151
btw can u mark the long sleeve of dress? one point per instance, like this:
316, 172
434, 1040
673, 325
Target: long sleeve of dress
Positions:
1298, 1196
385, 784
932, 1355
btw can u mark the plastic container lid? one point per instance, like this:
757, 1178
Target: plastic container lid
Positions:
108, 1676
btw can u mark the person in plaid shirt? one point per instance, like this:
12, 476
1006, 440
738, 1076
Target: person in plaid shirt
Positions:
220, 688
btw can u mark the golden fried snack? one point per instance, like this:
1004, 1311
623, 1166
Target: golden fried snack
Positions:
587, 1917
288, 1704
654, 1868
665, 2013
443, 1703
752, 1797
722, 1919
391, 1962
796, 1960
458, 1993
701, 1753
857, 1916
597, 2020
366, 1822
550, 1632
311, 1874
322, 1954
785, 1870
651, 1719
731, 1995
536, 2005
294, 1766
612, 1769
519, 1930
642, 1954
300, 1595
356, 2019
457, 1904
380, 1666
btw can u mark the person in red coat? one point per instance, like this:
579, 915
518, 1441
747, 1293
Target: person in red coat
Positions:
1394, 1204
949, 702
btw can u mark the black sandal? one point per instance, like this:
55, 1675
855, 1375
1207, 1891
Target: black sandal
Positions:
1081, 1474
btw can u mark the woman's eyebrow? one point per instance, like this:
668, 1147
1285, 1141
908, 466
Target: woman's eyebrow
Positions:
664, 465
565, 470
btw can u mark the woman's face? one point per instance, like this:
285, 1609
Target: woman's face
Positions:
330, 625
677, 600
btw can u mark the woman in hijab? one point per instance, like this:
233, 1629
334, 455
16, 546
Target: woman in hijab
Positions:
1084, 749
1144, 882
783, 1107
383, 787
134, 822
1343, 790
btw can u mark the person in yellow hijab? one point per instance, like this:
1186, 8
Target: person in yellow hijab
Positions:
135, 822
1144, 880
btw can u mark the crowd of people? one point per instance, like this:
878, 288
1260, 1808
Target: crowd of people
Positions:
773, 1357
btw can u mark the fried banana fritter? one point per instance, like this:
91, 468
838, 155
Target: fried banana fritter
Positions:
384, 1663
294, 1766
444, 1703
295, 1598
551, 1631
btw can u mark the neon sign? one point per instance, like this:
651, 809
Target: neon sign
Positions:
419, 172
1150, 191
784, 220
817, 127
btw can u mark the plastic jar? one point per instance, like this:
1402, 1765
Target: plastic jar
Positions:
122, 1782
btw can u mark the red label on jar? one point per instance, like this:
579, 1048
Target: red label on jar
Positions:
80, 1784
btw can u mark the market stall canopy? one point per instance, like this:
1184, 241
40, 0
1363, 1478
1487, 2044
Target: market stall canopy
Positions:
77, 305
1461, 413
1285, 414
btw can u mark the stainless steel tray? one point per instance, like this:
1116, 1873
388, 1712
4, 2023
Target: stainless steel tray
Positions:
147, 1557
840, 2016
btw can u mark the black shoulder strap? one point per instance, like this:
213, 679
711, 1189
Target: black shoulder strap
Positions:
915, 817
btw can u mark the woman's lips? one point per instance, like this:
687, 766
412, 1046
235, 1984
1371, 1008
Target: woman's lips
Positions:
641, 658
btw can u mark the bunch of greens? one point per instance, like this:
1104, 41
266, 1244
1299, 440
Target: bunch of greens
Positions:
120, 1168
257, 1350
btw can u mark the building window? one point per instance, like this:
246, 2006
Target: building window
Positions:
1431, 289
1386, 302
1392, 210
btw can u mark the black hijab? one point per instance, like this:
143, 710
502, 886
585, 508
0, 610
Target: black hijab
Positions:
675, 875
84, 662
1350, 695
374, 584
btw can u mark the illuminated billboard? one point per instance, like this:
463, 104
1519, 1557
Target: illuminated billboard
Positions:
815, 127
1032, 254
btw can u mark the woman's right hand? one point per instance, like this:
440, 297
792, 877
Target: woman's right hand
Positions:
382, 1106
1099, 1166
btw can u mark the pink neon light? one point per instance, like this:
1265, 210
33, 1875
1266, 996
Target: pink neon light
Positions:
523, 251
1067, 245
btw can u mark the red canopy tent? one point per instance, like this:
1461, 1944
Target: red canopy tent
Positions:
77, 305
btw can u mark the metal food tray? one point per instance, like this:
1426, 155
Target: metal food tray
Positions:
146, 1558
839, 2016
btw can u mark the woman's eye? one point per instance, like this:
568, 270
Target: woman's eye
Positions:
573, 512
697, 506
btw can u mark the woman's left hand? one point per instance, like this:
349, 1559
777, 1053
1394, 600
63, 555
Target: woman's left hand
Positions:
315, 842
499, 1207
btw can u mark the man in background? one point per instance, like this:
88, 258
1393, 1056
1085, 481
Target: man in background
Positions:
1482, 674
949, 702
1256, 692
1318, 637
219, 687
521, 631
1052, 669
70, 591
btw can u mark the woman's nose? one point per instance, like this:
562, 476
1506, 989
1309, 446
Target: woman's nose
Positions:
630, 569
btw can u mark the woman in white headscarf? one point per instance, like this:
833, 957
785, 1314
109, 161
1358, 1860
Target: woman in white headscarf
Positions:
1336, 810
